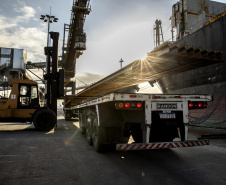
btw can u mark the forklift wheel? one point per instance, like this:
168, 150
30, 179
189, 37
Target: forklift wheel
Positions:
44, 119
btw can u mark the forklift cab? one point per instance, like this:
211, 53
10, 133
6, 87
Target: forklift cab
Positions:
28, 96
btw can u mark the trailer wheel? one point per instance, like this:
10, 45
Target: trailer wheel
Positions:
89, 127
97, 136
83, 131
82, 128
44, 119
89, 135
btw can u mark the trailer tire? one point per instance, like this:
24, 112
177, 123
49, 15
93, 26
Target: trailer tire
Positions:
89, 135
97, 136
82, 128
44, 119
83, 131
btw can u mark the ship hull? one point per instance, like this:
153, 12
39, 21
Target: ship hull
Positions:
205, 80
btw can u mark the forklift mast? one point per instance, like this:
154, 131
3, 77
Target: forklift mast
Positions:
55, 79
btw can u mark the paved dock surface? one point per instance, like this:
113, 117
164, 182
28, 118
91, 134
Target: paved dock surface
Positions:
63, 157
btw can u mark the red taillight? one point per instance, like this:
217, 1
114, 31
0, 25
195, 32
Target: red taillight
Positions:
127, 105
200, 105
191, 105
139, 105
197, 105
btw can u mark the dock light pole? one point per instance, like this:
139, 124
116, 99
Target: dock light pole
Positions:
49, 19
121, 61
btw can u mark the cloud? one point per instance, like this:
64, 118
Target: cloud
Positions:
15, 33
26, 38
27, 14
5, 23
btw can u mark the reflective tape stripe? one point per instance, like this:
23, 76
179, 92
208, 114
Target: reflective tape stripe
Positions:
161, 145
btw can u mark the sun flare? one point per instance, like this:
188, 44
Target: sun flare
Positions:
143, 57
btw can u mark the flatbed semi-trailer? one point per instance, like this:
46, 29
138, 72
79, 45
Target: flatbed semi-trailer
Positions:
153, 120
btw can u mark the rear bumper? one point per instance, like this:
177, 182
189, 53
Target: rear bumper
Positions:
161, 145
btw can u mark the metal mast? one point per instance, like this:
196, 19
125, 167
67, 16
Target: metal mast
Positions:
158, 34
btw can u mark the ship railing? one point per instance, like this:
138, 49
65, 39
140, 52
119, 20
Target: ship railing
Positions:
203, 22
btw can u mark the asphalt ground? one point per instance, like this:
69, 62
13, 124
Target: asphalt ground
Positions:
62, 156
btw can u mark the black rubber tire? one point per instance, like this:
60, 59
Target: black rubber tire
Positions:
82, 128
89, 127
44, 119
89, 135
97, 136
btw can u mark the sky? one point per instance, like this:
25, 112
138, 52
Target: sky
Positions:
115, 29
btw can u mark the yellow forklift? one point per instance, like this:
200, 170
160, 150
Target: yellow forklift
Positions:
23, 102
